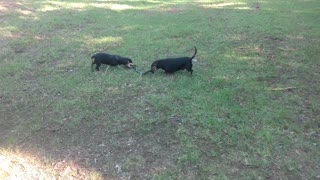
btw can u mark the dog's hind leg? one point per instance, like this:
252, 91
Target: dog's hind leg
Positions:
189, 68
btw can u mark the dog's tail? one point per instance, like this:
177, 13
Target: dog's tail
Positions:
93, 61
195, 52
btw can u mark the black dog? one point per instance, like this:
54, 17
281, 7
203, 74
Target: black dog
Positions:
111, 60
171, 65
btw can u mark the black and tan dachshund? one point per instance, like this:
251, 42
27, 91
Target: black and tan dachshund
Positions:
171, 65
111, 60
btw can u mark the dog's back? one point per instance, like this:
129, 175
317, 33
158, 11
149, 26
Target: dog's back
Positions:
171, 65
105, 58
98, 56
111, 60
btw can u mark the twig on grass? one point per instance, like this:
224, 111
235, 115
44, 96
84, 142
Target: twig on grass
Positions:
283, 89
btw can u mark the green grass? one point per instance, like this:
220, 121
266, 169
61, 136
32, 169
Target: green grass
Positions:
249, 111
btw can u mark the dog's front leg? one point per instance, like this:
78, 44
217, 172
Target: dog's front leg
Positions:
107, 68
97, 66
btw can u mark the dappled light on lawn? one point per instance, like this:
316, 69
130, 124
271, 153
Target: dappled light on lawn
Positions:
103, 40
113, 6
9, 32
56, 5
248, 111
19, 165
48, 6
230, 5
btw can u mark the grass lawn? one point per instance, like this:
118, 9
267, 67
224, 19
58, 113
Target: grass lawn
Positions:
250, 110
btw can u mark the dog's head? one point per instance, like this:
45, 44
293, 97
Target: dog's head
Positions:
154, 67
129, 63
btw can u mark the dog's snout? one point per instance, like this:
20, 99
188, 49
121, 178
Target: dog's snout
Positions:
130, 65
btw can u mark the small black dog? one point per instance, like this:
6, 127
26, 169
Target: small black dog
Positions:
171, 65
111, 60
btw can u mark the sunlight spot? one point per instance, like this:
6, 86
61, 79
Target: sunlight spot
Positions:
101, 43
24, 12
242, 8
108, 39
54, 5
15, 165
2, 8
31, 17
227, 5
9, 32
112, 6
27, 14
40, 37
120, 7
18, 165
47, 8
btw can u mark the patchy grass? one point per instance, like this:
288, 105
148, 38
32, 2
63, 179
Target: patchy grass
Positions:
249, 111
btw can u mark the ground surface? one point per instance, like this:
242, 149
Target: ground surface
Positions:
249, 111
